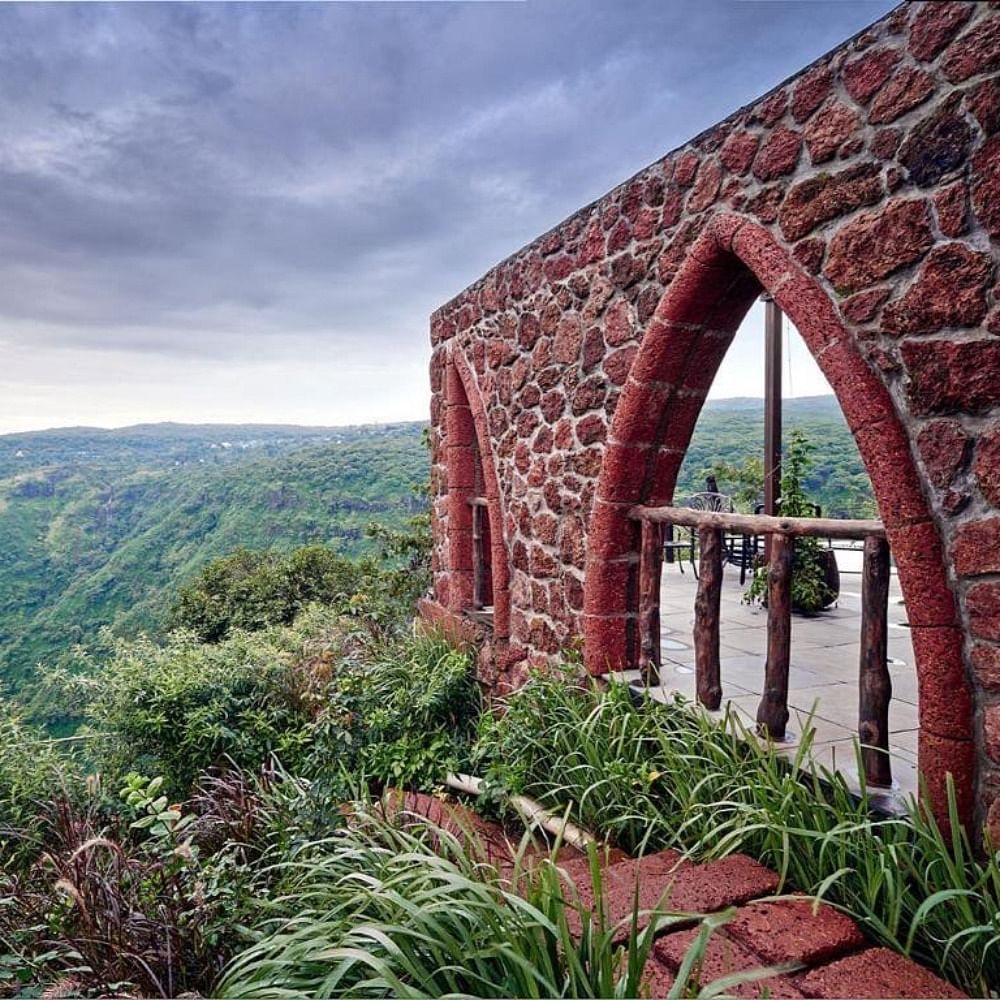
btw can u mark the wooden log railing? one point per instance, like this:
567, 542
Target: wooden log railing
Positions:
480, 585
875, 686
651, 556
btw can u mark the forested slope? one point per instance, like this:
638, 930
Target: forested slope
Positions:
98, 527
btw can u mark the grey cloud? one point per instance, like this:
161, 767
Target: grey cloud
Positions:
193, 179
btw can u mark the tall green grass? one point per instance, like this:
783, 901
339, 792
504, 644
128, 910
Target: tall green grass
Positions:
378, 911
662, 776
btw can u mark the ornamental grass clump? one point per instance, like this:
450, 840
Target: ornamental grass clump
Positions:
379, 911
662, 776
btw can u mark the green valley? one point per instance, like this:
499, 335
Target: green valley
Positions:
101, 527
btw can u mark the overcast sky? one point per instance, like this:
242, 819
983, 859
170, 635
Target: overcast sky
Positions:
247, 212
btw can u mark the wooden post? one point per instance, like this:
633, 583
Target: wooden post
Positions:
772, 713
706, 618
650, 566
478, 562
772, 411
875, 685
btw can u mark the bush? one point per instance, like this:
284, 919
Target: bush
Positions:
403, 715
810, 590
323, 696
250, 591
144, 900
32, 772
178, 709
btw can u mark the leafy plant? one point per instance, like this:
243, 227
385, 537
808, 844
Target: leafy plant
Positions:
744, 481
250, 591
32, 772
810, 590
403, 714
98, 911
179, 708
164, 822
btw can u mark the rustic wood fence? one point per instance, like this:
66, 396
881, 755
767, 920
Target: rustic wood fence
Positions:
875, 686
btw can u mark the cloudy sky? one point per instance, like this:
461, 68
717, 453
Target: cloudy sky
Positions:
247, 212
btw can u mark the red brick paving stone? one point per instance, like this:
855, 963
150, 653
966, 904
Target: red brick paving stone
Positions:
872, 975
723, 957
531, 860
577, 868
789, 931
712, 886
618, 888
671, 885
657, 980
488, 841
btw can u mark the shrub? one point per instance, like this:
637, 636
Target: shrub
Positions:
322, 696
250, 591
32, 771
128, 902
810, 589
404, 714
178, 709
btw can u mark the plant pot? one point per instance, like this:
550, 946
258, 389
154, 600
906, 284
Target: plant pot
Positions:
831, 574
831, 580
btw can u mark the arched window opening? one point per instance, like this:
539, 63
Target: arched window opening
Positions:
834, 602
477, 553
482, 558
682, 349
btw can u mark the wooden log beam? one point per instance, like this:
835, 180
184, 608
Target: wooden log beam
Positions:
761, 524
650, 567
478, 562
875, 685
772, 713
707, 604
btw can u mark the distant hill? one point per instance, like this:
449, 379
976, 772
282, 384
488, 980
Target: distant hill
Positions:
728, 430
99, 527
794, 408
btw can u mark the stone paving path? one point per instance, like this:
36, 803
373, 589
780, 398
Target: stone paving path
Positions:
827, 954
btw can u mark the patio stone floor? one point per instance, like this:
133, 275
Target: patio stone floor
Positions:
823, 680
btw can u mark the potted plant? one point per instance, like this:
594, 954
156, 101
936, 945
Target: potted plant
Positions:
815, 577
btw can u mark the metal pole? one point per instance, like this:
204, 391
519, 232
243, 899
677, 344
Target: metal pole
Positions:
772, 406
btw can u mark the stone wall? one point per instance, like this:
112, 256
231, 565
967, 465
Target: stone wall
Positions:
864, 195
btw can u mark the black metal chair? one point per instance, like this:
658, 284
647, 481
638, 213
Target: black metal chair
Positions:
684, 541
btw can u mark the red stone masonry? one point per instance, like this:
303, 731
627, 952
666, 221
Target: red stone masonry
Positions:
864, 195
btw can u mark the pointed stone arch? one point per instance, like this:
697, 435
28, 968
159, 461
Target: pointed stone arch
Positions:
729, 264
471, 468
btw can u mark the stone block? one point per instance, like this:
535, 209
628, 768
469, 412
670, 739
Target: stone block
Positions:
875, 245
793, 931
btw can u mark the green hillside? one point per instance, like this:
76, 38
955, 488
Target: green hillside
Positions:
731, 430
99, 527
